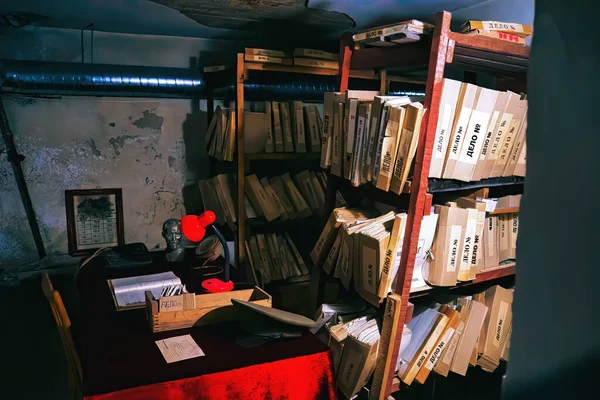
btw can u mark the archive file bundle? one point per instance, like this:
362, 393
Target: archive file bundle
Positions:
369, 138
471, 331
480, 133
393, 34
269, 126
363, 248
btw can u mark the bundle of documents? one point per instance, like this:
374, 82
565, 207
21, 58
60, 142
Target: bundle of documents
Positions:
358, 246
285, 197
480, 134
335, 330
426, 326
457, 245
267, 56
358, 356
495, 332
370, 138
291, 127
269, 127
393, 34
337, 313
275, 257
501, 36
470, 331
217, 196
316, 58
509, 28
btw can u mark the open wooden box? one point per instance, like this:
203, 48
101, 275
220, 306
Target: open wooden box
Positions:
199, 309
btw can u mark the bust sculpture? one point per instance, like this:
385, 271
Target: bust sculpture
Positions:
173, 235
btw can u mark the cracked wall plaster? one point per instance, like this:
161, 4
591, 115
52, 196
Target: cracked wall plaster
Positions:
78, 142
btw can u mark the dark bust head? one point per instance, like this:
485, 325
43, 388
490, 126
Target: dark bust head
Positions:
171, 231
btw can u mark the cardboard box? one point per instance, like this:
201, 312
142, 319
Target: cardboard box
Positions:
477, 255
450, 92
442, 367
512, 235
512, 201
500, 131
510, 136
499, 108
475, 135
407, 146
447, 246
497, 322
490, 243
515, 153
356, 366
504, 223
470, 230
466, 344
467, 101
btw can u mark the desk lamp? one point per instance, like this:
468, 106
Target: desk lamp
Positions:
193, 228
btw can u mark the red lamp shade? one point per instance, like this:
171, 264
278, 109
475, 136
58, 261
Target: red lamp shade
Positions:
194, 226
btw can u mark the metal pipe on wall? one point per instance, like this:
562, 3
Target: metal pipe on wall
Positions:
99, 79
84, 80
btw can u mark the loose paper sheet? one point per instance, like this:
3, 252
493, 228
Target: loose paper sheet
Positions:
179, 348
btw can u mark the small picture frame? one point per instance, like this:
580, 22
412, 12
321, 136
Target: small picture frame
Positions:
94, 220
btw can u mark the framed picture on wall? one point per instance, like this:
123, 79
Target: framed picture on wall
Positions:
94, 220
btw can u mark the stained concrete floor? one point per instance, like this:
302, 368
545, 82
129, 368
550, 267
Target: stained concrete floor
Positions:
33, 362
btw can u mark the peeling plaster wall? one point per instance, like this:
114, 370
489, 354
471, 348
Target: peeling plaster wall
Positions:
138, 145
152, 149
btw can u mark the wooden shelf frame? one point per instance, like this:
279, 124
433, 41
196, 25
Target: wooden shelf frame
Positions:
501, 271
242, 78
446, 47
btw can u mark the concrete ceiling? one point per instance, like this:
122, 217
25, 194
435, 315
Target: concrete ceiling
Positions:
148, 17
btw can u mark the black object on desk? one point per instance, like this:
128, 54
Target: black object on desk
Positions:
128, 255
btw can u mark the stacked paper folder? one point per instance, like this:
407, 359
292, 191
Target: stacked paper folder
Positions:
363, 249
393, 34
481, 133
270, 127
472, 331
369, 138
468, 241
275, 257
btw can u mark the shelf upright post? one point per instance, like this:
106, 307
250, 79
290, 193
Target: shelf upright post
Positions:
239, 115
345, 57
433, 91
383, 82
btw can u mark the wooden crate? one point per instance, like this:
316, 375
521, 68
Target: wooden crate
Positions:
210, 308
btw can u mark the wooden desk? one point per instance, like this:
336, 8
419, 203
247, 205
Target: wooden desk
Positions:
121, 360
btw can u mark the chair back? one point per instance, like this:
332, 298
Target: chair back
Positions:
63, 323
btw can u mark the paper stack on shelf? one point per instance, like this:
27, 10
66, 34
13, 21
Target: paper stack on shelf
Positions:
370, 138
496, 327
427, 326
480, 134
358, 355
470, 331
270, 127
502, 31
316, 58
355, 246
275, 257
467, 242
267, 56
393, 34
283, 197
